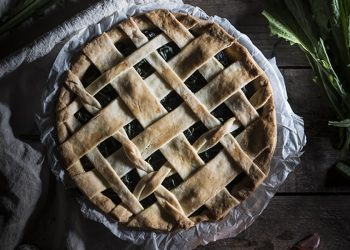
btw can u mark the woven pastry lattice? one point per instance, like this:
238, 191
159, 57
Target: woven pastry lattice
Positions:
165, 121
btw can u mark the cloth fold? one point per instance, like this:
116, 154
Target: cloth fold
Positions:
36, 212
20, 167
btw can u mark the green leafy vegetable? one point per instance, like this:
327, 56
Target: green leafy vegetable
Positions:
342, 124
22, 11
343, 168
322, 30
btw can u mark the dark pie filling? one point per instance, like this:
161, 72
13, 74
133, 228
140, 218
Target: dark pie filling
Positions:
86, 163
109, 193
195, 82
91, 74
125, 46
223, 59
248, 90
133, 128
82, 115
144, 69
200, 211
168, 51
151, 33
193, 32
223, 113
237, 131
109, 146
195, 131
156, 160
211, 153
106, 95
148, 201
171, 101
172, 181
235, 181
131, 179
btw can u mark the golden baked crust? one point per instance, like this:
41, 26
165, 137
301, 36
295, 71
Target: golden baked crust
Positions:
208, 189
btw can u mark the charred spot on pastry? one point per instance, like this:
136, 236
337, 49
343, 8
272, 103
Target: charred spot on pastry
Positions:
106, 95
91, 74
144, 69
82, 115
86, 163
172, 181
171, 101
113, 196
168, 51
196, 81
151, 33
223, 113
133, 128
211, 152
195, 131
125, 46
131, 179
156, 160
109, 146
148, 201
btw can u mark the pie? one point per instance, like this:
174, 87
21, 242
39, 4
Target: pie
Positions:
165, 121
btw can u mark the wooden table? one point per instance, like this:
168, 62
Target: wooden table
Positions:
313, 198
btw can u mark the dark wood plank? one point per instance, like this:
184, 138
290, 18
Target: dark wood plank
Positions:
246, 16
308, 101
287, 220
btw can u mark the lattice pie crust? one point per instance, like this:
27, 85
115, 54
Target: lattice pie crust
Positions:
165, 121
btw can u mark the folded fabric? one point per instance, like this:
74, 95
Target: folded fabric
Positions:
20, 184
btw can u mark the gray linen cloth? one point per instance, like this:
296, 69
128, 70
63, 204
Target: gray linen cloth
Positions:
20, 184
36, 211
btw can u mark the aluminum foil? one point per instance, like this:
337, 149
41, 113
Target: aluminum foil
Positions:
291, 139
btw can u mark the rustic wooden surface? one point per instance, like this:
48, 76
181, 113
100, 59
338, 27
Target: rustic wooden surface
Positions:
313, 198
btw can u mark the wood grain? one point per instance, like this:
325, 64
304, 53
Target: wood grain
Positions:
308, 101
289, 219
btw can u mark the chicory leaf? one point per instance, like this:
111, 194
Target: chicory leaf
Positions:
343, 124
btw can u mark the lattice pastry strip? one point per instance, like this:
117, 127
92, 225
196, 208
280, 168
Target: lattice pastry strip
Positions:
203, 183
